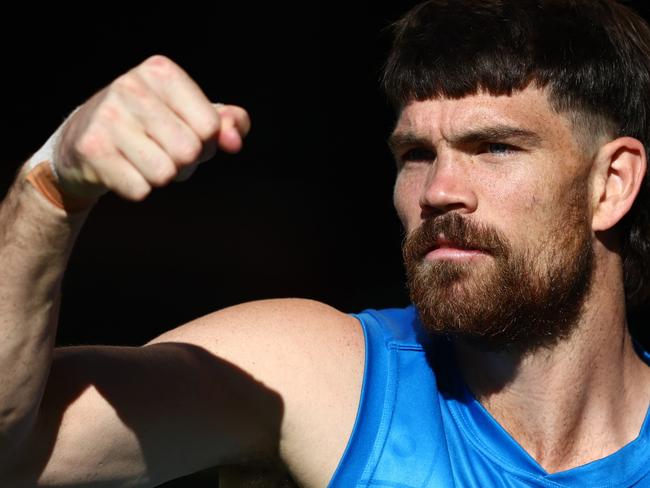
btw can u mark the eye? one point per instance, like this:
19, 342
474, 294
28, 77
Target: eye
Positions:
418, 155
499, 148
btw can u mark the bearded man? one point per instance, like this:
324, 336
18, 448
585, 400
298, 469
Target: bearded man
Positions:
520, 143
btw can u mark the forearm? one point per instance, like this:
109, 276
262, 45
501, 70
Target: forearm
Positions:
35, 242
151, 125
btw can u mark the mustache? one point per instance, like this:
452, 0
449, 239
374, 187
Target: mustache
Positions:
461, 232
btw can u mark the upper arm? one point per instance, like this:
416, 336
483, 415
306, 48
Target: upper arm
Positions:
250, 384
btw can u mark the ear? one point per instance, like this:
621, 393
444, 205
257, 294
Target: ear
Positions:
620, 167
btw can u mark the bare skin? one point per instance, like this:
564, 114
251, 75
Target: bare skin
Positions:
271, 383
588, 396
260, 384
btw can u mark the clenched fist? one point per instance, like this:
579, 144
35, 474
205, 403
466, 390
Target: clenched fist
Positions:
151, 125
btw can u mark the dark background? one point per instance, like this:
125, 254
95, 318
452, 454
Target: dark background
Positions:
305, 210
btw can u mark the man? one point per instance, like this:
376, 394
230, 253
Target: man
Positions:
521, 150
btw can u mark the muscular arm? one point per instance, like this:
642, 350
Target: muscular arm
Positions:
254, 385
257, 384
35, 243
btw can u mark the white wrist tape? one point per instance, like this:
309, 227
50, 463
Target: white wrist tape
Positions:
41, 174
47, 152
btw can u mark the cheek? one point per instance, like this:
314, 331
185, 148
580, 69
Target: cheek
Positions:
518, 203
515, 199
531, 211
406, 198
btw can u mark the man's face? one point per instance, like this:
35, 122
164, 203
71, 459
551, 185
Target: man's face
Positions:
493, 193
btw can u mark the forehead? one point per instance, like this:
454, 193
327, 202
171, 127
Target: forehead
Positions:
445, 119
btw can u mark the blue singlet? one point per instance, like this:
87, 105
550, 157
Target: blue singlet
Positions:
418, 425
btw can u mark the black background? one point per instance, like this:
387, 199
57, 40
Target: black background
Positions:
305, 210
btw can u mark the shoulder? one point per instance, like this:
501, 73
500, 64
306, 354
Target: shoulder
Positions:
272, 325
285, 343
310, 354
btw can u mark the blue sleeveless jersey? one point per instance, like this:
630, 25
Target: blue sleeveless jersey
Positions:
418, 425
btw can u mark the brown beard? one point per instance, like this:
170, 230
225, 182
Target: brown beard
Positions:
508, 300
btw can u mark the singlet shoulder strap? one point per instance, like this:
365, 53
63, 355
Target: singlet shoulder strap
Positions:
382, 329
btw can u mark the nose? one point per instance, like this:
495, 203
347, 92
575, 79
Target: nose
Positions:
447, 188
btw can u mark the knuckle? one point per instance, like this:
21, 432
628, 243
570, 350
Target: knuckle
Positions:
161, 67
90, 145
130, 83
109, 113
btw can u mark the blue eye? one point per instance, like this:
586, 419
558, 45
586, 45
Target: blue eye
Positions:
497, 148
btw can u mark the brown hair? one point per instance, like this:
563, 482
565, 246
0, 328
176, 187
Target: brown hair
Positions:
592, 57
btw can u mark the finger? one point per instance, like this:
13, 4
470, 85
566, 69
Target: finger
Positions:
165, 127
144, 154
118, 175
182, 94
209, 150
240, 115
229, 138
235, 125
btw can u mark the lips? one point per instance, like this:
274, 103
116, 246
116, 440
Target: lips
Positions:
453, 237
443, 243
448, 249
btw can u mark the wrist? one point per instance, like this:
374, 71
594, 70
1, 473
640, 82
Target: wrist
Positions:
41, 172
42, 177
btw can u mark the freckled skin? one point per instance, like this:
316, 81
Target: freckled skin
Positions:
519, 193
585, 397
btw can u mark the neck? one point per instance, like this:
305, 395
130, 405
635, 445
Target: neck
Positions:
577, 401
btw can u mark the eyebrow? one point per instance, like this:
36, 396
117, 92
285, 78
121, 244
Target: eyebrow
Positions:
495, 133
